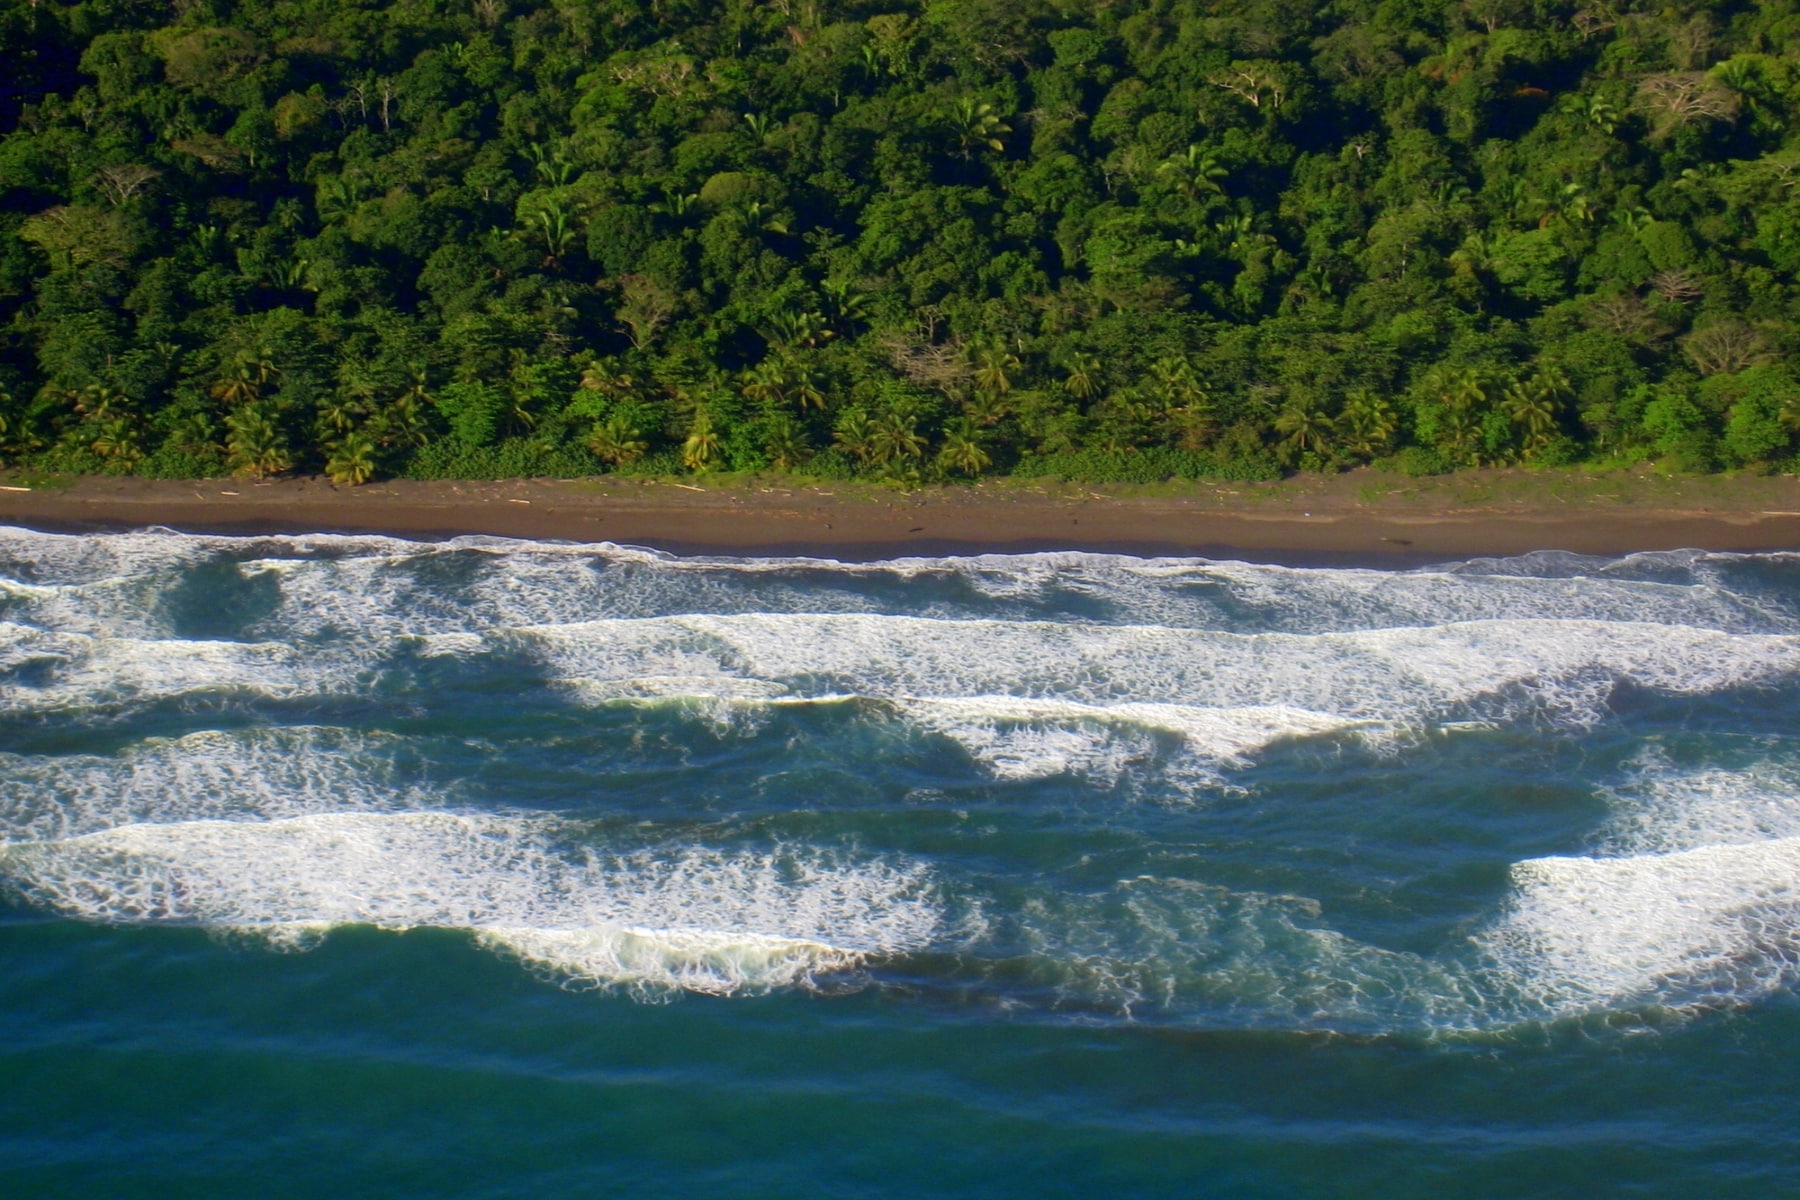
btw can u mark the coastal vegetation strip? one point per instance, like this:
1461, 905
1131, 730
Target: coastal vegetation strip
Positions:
900, 239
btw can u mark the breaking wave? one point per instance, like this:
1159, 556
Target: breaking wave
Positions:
241, 775
1097, 671
382, 587
651, 920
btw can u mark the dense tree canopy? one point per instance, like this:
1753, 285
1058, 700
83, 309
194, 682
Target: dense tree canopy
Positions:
915, 238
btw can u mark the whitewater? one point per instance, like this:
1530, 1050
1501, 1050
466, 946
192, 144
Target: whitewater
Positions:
1498, 807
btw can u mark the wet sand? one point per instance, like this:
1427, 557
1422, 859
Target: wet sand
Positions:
1359, 516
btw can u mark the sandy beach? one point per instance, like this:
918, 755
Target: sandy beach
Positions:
1358, 516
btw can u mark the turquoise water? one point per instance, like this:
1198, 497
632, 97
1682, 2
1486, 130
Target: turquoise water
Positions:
362, 867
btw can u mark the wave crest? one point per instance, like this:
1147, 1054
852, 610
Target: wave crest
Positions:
681, 918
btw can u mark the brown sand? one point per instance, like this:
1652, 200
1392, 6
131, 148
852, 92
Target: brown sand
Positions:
1359, 516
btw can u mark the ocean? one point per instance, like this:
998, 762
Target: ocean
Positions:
361, 867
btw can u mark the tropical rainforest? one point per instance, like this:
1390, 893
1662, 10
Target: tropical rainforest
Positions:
905, 239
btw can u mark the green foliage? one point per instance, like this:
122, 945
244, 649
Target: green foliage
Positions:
1146, 240
473, 411
512, 459
351, 460
1762, 404
171, 461
1677, 430
1154, 465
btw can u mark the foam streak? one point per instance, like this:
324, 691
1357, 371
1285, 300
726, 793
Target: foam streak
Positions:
686, 918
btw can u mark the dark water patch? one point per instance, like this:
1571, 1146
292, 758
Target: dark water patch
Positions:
219, 601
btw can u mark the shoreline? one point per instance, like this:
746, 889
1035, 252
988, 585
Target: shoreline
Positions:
1358, 517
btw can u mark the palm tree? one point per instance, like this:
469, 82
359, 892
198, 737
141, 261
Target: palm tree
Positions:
992, 362
1368, 423
99, 402
847, 305
786, 443
897, 439
1177, 383
767, 381
1602, 114
1305, 426
1196, 172
601, 377
978, 126
1532, 406
1456, 388
194, 433
236, 388
418, 392
360, 378
855, 435
403, 420
117, 441
803, 388
530, 386
554, 228
675, 204
1574, 205
352, 460
1462, 394
1083, 378
254, 445
703, 443
334, 199
985, 408
616, 440
1460, 434
873, 62
289, 274
551, 165
780, 379
789, 328
757, 217
961, 451
339, 415
244, 382
1121, 422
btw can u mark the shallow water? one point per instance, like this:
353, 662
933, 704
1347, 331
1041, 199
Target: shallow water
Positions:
488, 868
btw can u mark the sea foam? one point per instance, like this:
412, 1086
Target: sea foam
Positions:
1020, 739
1157, 947
651, 920
58, 671
1659, 807
387, 586
1714, 925
1688, 898
229, 775
1565, 670
1084, 665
